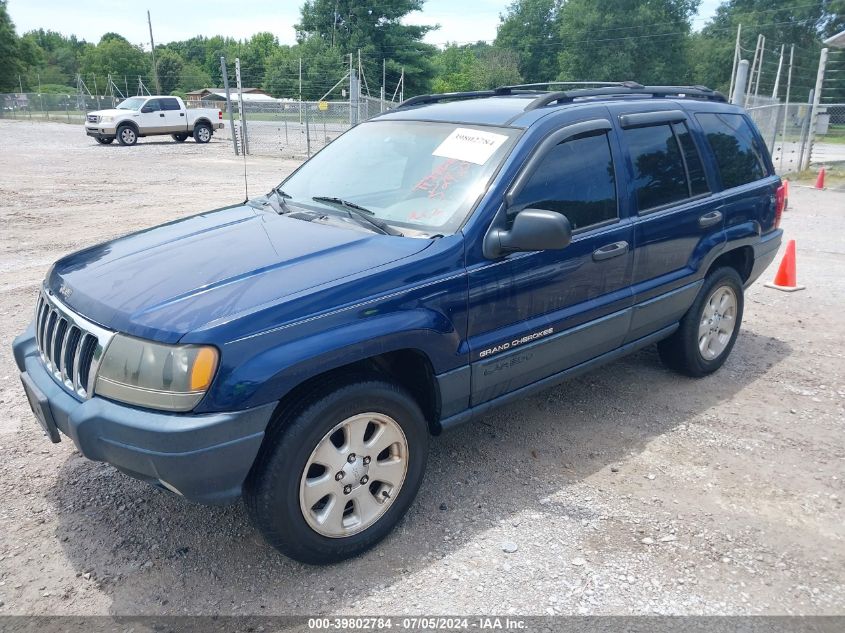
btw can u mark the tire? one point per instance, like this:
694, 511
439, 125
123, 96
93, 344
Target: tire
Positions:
126, 135
104, 141
277, 493
709, 329
202, 133
179, 138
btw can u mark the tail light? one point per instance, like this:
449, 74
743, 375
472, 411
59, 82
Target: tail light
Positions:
780, 204
220, 115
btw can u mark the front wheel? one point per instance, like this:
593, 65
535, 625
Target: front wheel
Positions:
126, 135
107, 140
338, 471
180, 137
202, 133
708, 331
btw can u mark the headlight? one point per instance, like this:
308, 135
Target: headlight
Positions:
153, 375
106, 119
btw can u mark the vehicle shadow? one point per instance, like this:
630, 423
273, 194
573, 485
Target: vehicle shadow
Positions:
153, 553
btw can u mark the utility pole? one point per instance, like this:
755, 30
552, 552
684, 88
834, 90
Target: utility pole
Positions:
224, 71
817, 95
737, 55
751, 72
153, 50
741, 79
300, 91
760, 66
777, 76
241, 105
383, 83
786, 105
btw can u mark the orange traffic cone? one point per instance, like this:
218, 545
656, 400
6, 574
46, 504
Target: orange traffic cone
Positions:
785, 194
786, 279
820, 179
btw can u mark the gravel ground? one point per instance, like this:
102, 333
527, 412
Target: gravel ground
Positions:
629, 490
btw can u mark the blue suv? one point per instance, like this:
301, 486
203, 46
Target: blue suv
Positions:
300, 349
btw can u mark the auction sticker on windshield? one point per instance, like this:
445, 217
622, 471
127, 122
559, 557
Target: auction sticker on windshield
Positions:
472, 146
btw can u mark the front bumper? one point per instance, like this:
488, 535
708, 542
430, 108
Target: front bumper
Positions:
99, 130
204, 458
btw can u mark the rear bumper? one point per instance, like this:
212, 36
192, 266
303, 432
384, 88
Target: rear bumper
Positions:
764, 254
204, 458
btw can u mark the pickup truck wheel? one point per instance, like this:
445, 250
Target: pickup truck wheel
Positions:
126, 135
202, 133
709, 329
179, 138
105, 141
338, 471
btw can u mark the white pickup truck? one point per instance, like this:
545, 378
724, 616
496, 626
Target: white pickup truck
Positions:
151, 116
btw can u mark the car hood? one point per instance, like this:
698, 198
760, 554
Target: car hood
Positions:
164, 282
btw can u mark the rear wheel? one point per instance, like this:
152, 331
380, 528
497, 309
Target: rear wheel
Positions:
708, 331
202, 133
180, 137
107, 140
126, 135
338, 471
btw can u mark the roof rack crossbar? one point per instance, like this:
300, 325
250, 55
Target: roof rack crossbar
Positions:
630, 84
567, 96
454, 96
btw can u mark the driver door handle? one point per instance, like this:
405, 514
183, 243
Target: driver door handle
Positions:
161, 114
709, 219
611, 250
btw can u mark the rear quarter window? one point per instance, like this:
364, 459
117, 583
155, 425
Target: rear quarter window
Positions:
735, 146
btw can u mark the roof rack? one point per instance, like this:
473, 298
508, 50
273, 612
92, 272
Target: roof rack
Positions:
628, 84
457, 96
628, 89
545, 97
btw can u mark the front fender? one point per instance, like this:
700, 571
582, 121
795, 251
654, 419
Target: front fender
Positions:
273, 372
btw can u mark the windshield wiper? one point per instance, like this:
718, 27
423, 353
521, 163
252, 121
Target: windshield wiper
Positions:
359, 212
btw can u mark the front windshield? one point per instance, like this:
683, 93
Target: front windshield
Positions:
421, 175
132, 103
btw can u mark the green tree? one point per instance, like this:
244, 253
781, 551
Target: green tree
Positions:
619, 40
170, 68
320, 64
12, 53
474, 67
784, 22
529, 28
114, 55
378, 31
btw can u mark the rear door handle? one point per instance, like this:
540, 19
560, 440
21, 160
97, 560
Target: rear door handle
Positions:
161, 114
611, 250
709, 219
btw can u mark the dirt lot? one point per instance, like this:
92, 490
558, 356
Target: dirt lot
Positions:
630, 490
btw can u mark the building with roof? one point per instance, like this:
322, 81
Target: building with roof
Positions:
250, 95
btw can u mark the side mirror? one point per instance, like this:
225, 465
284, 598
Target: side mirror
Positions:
146, 109
532, 230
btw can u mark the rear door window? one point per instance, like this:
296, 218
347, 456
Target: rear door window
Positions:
659, 175
735, 146
169, 104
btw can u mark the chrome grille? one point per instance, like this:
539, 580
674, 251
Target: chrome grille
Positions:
93, 118
71, 347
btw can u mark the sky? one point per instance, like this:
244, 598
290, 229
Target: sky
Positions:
88, 19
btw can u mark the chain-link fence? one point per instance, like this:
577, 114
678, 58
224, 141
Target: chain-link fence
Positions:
277, 127
295, 128
786, 130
